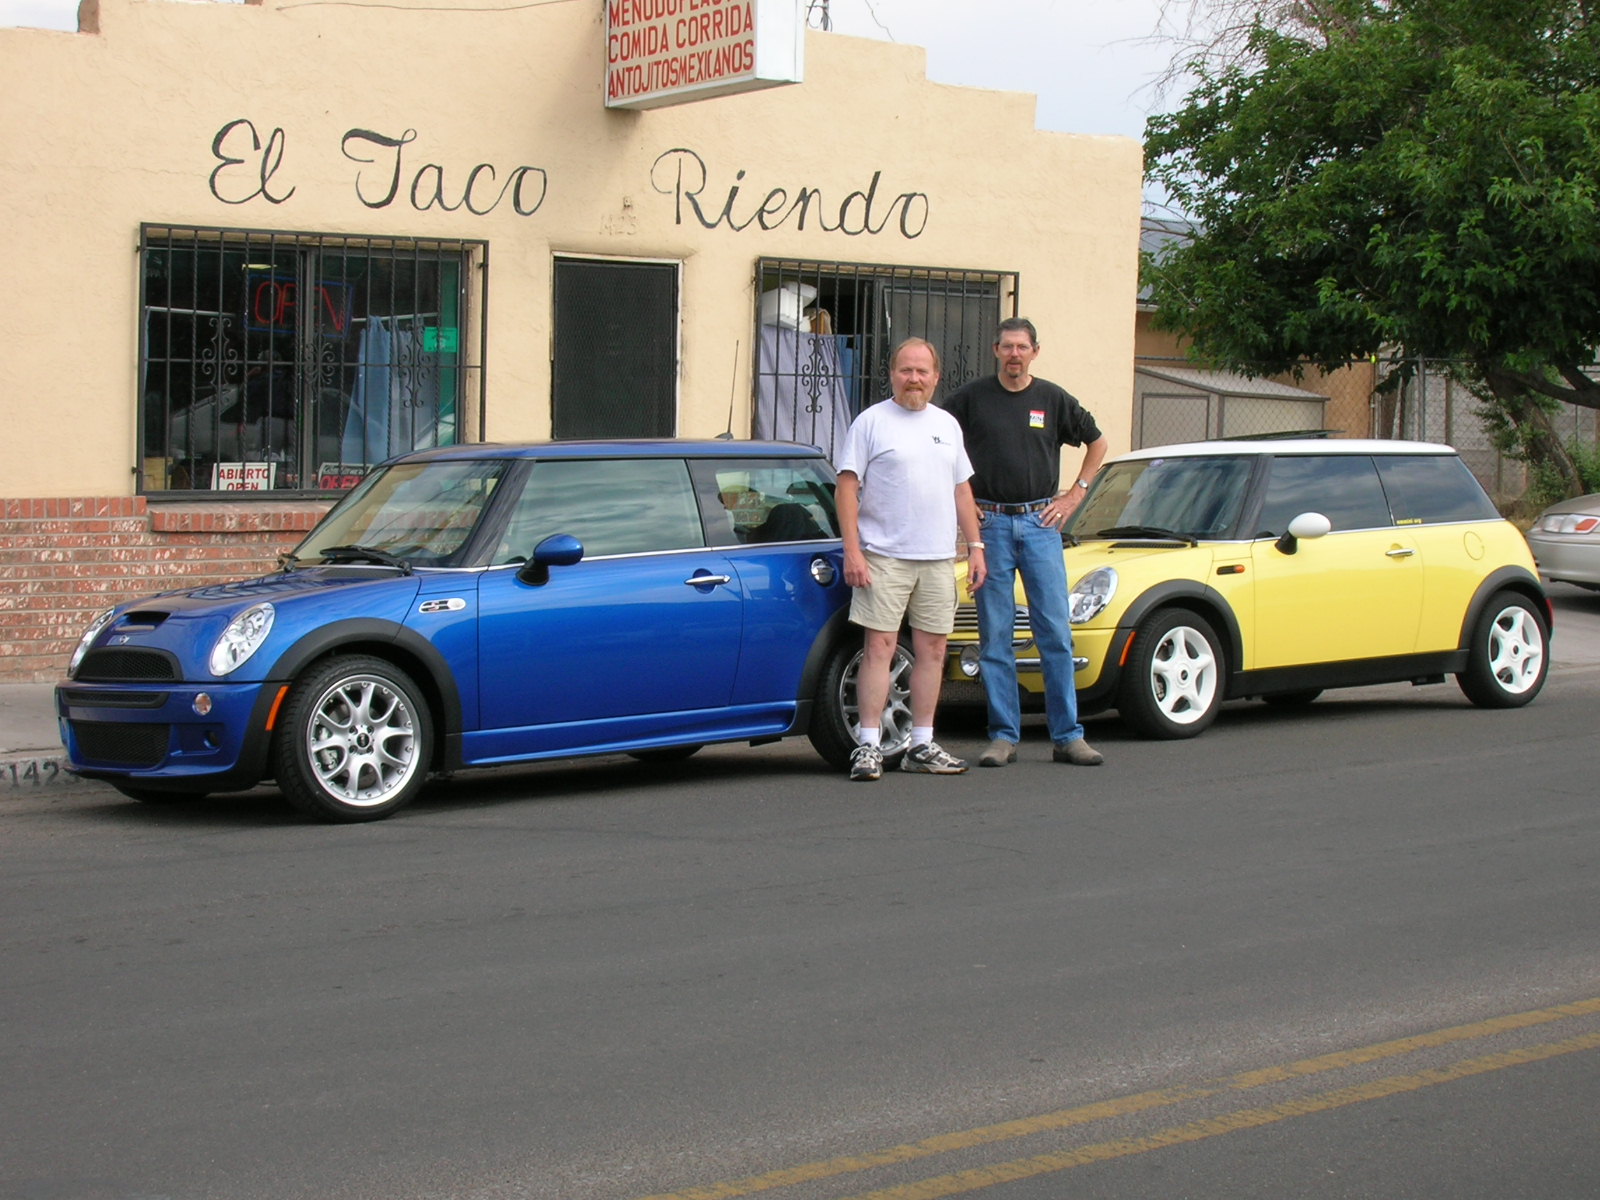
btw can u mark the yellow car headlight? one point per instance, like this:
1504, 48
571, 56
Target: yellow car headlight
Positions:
1091, 594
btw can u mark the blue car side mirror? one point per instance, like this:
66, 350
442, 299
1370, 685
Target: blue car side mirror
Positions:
557, 550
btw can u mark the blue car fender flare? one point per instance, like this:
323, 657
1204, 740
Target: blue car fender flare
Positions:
408, 649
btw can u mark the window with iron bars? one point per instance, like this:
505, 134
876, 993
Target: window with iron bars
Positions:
286, 362
825, 332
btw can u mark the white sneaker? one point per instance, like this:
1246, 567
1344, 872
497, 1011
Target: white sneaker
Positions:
866, 764
932, 759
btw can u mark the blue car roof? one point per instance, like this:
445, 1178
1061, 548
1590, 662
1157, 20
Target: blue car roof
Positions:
617, 448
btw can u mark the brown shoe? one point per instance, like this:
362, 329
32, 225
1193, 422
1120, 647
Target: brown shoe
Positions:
1079, 753
998, 753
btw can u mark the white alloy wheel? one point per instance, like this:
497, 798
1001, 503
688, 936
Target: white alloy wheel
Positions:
1516, 650
1183, 675
1508, 657
1173, 685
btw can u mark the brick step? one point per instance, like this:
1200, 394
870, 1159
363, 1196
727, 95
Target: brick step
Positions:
65, 576
18, 532
85, 540
72, 506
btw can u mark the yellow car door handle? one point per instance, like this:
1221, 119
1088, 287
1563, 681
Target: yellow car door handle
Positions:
1400, 552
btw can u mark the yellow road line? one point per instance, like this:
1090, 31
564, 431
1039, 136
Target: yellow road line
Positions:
1143, 1101
1250, 1118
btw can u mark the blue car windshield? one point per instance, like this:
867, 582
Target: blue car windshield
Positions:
423, 513
1191, 496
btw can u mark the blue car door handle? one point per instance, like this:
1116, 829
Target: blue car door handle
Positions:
698, 581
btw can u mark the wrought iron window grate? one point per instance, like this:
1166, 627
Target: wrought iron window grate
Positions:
825, 331
294, 362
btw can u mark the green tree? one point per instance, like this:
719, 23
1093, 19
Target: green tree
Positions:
1393, 179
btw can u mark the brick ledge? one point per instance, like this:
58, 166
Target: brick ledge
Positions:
197, 517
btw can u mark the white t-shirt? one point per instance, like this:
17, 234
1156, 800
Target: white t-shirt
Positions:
909, 464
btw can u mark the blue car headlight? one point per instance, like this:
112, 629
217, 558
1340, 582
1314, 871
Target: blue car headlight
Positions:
89, 634
242, 638
1091, 594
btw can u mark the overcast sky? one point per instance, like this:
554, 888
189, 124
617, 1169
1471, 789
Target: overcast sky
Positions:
1091, 62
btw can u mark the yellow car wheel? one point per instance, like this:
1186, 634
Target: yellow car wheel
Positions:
1508, 659
1172, 687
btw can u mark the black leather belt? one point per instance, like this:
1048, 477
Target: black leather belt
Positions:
1013, 510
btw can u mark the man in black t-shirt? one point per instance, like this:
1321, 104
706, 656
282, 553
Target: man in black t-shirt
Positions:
1015, 426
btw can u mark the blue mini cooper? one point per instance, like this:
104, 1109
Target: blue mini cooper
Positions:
482, 605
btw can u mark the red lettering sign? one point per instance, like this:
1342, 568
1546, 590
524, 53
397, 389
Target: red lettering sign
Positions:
275, 299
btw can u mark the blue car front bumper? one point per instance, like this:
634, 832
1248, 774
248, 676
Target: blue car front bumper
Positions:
159, 736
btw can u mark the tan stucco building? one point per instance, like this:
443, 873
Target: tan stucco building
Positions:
253, 249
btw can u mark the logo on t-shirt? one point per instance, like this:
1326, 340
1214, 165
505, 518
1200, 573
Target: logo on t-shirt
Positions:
1036, 418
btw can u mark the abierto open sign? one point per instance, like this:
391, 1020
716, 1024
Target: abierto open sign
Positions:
243, 476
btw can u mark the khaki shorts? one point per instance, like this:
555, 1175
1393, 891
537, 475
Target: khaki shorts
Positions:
921, 592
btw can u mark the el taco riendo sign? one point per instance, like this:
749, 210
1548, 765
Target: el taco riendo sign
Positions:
662, 52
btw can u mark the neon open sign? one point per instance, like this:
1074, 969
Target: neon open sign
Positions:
274, 304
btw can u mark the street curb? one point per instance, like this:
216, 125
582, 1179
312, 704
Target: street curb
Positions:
24, 774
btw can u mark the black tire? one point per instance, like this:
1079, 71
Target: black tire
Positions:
1293, 699
1173, 684
354, 740
146, 795
1508, 656
667, 754
834, 714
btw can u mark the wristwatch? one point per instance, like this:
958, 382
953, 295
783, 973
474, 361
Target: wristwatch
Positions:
1084, 484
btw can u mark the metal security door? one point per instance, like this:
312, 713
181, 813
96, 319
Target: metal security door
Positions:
615, 366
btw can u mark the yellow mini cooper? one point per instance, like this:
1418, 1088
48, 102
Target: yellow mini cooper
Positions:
1218, 571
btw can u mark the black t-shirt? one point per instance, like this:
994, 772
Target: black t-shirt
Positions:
1014, 439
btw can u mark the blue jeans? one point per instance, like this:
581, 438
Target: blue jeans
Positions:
1013, 544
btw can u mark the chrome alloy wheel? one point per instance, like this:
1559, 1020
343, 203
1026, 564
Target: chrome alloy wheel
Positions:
362, 742
896, 724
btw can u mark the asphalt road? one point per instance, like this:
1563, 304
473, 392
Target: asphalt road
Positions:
1350, 952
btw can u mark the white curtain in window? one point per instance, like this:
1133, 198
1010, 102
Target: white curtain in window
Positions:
394, 406
802, 389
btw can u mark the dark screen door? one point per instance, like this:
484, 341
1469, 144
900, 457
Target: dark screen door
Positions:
615, 370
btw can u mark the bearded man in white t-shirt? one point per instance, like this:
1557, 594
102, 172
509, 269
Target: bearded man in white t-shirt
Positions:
903, 496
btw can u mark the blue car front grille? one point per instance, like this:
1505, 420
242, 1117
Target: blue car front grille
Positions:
113, 699
116, 744
124, 664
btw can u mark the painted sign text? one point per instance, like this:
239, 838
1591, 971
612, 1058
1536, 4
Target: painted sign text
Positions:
682, 174
248, 167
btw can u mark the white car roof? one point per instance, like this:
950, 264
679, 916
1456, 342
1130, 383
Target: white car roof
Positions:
1258, 446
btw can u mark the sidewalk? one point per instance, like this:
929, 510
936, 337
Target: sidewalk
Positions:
31, 756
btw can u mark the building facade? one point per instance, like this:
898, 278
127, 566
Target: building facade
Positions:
255, 249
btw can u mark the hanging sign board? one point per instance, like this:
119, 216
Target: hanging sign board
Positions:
661, 52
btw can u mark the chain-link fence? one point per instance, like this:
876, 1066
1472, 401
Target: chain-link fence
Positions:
1174, 401
1432, 406
1178, 402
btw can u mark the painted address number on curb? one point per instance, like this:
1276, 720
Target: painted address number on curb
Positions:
34, 772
